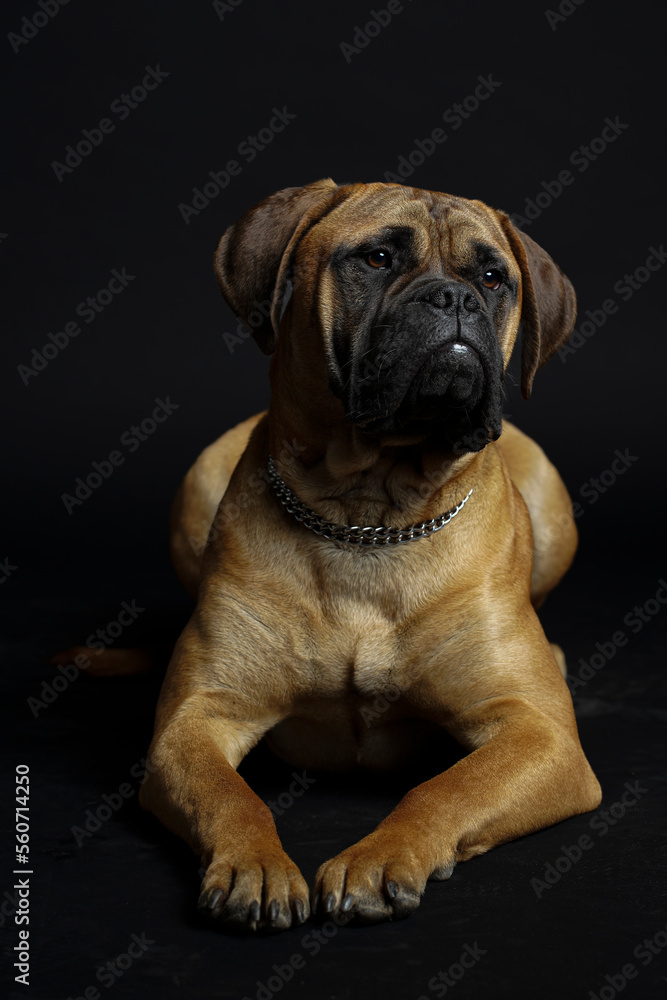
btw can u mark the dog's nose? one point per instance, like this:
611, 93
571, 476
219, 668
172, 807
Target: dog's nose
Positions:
452, 296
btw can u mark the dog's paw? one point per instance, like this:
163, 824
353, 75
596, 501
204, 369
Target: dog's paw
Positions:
255, 891
369, 882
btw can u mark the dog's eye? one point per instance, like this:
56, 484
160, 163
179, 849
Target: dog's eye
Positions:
378, 258
492, 279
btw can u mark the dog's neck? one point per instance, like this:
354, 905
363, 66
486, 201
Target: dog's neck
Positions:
341, 473
348, 478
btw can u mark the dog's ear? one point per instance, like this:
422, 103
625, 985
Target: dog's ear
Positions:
252, 261
549, 305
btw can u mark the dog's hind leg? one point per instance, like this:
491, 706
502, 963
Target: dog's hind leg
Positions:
197, 501
549, 506
559, 656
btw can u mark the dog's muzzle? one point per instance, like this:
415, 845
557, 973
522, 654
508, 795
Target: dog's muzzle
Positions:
430, 361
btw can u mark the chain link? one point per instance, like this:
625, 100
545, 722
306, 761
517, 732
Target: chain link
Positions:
355, 534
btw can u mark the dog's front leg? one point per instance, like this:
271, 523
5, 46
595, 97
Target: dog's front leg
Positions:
202, 733
526, 771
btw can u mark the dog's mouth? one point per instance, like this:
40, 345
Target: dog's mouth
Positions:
452, 390
452, 374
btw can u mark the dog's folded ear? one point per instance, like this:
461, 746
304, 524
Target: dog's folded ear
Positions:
549, 304
252, 261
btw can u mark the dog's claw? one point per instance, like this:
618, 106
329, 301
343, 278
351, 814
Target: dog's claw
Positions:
211, 902
244, 896
443, 873
369, 882
216, 899
299, 910
404, 903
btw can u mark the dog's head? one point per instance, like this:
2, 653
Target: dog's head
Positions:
409, 301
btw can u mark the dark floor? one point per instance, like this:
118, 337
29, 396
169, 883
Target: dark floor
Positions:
530, 922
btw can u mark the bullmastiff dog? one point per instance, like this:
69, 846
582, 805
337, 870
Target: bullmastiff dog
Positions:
378, 537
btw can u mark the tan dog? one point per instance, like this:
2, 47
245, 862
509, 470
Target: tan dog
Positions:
386, 403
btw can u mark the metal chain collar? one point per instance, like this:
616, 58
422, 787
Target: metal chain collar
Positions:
355, 534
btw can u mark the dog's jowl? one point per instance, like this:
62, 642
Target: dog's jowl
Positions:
381, 540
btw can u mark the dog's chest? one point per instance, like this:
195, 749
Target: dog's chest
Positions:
364, 620
360, 656
367, 652
356, 709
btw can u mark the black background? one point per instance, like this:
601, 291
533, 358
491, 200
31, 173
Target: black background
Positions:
163, 336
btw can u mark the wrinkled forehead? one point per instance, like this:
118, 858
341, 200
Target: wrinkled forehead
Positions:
435, 224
